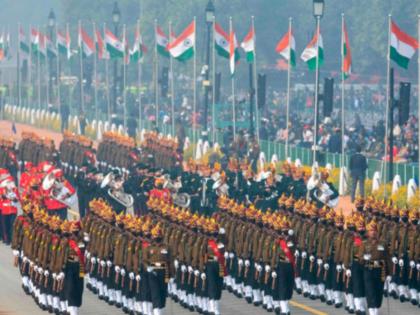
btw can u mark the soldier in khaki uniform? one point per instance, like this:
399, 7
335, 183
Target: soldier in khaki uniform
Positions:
374, 268
157, 263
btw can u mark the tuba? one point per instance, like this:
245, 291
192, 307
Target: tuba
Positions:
58, 190
182, 200
118, 195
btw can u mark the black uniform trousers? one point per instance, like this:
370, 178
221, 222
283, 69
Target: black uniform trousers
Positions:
374, 286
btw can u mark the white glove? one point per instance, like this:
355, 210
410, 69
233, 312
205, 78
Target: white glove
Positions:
196, 273
319, 262
339, 268
103, 263
348, 273
190, 269
15, 253
40, 270
290, 232
312, 258
86, 237
131, 275
259, 268
231, 255
267, 268
54, 276
87, 255
203, 276
296, 253
412, 264
401, 263
240, 262
109, 263
183, 268
117, 269
149, 269
176, 263
247, 263
123, 272
226, 254
388, 279
93, 260
394, 260
418, 267
46, 273
25, 259
274, 274
367, 256
304, 255
326, 266
138, 278
60, 276
31, 263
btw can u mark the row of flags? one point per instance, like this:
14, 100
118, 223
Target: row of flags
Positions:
108, 46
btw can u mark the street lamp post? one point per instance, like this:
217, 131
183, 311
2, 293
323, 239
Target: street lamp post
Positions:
116, 15
51, 25
206, 83
318, 12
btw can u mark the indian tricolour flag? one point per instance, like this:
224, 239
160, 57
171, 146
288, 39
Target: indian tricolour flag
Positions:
138, 50
63, 44
248, 45
310, 54
346, 53
100, 47
2, 46
42, 48
34, 40
23, 44
233, 52
86, 45
182, 48
403, 46
221, 41
114, 46
161, 42
286, 47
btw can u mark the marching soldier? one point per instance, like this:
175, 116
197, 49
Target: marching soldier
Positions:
157, 266
374, 268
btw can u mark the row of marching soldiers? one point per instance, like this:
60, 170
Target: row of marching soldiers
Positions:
196, 244
338, 265
127, 263
50, 255
135, 262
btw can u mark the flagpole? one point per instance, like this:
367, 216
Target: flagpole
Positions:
95, 76
388, 68
107, 83
124, 78
139, 78
194, 88
19, 83
257, 114
38, 65
418, 90
171, 67
58, 72
233, 83
156, 77
314, 148
342, 91
82, 105
213, 85
30, 85
289, 70
47, 69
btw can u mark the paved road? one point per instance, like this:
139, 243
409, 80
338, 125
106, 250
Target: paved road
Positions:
14, 302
